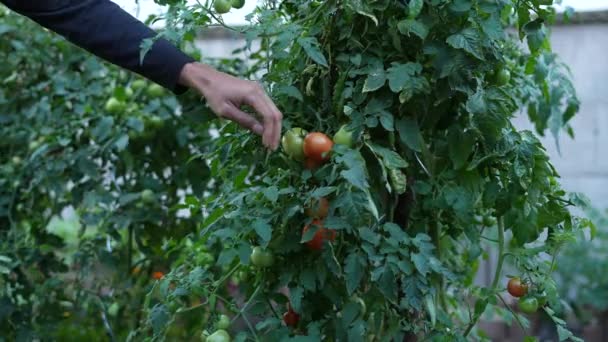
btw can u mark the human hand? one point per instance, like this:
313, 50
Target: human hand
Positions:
225, 95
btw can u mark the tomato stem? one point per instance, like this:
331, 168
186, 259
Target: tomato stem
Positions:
499, 263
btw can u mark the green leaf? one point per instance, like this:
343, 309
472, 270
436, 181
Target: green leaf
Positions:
103, 129
390, 158
421, 263
418, 28
414, 8
311, 46
409, 133
290, 91
405, 78
271, 193
460, 145
467, 40
430, 308
460, 5
264, 231
122, 142
361, 7
354, 269
159, 318
376, 77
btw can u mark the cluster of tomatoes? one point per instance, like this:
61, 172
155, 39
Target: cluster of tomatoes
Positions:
224, 6
529, 302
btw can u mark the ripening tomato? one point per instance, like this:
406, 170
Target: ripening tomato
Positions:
344, 137
322, 234
318, 208
291, 318
317, 146
516, 288
528, 305
293, 143
238, 4
158, 275
219, 335
503, 76
222, 6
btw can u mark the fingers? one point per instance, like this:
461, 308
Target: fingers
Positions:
245, 120
271, 116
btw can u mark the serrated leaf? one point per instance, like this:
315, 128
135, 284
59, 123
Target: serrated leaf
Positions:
290, 91
467, 40
418, 28
390, 158
311, 47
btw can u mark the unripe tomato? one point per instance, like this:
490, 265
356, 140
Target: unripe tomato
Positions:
291, 318
155, 90
128, 92
238, 4
16, 160
139, 84
222, 6
344, 137
528, 305
223, 323
516, 288
317, 146
219, 335
503, 76
34, 144
261, 258
158, 275
293, 143
114, 106
318, 209
155, 122
147, 196
322, 234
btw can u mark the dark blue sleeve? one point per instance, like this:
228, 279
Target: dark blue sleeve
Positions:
104, 29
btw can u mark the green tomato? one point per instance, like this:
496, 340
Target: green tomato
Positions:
114, 106
261, 258
528, 305
16, 160
344, 137
238, 4
155, 90
223, 323
489, 221
34, 145
128, 92
139, 84
147, 196
503, 76
219, 335
155, 121
222, 6
207, 259
293, 143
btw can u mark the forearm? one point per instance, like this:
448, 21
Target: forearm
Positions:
104, 29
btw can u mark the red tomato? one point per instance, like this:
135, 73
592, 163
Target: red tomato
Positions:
516, 288
317, 146
322, 234
291, 318
158, 275
318, 209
